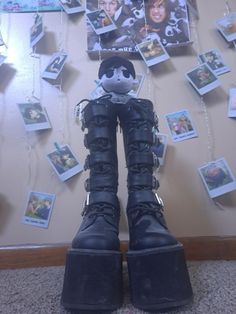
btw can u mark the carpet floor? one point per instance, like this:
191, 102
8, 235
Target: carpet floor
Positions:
38, 290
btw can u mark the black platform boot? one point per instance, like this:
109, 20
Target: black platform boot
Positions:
156, 263
93, 274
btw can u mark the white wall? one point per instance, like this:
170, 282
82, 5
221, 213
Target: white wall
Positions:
23, 165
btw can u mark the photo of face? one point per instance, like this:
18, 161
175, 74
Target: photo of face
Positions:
157, 11
110, 6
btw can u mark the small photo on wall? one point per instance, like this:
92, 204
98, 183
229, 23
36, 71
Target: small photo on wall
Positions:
36, 31
18, 6
227, 26
159, 149
64, 162
203, 79
72, 6
215, 61
100, 22
152, 52
232, 103
139, 78
55, 65
180, 125
217, 177
34, 116
38, 209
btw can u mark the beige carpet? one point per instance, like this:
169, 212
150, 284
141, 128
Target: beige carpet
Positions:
38, 290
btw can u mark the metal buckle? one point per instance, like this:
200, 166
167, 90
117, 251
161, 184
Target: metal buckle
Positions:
160, 201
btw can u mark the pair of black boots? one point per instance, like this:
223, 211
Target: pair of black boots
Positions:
157, 269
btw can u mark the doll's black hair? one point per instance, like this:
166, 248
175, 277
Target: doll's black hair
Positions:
115, 62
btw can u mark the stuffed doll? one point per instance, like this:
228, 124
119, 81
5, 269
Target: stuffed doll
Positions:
157, 269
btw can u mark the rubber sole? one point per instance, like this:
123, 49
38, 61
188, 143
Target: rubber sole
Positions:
92, 280
159, 278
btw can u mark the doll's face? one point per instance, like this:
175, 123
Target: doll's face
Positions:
117, 80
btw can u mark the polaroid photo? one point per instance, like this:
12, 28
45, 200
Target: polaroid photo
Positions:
232, 103
64, 163
97, 92
2, 59
215, 61
139, 79
72, 6
34, 116
159, 149
217, 177
193, 8
18, 6
180, 125
227, 26
38, 209
36, 31
203, 79
100, 22
55, 65
152, 52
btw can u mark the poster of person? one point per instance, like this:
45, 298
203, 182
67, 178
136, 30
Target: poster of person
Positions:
232, 103
100, 22
214, 59
203, 79
36, 31
38, 209
159, 149
64, 162
136, 21
180, 125
152, 52
72, 6
34, 116
227, 26
55, 65
29, 6
217, 177
2, 59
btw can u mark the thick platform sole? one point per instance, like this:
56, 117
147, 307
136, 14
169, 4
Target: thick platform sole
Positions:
92, 280
159, 278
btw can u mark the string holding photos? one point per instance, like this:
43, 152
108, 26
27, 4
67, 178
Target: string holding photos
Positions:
64, 162
72, 6
55, 65
203, 79
217, 177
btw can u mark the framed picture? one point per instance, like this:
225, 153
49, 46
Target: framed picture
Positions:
36, 31
101, 22
72, 6
64, 163
215, 61
203, 79
34, 116
136, 21
232, 103
29, 6
159, 149
180, 125
152, 52
38, 209
217, 177
227, 26
55, 65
